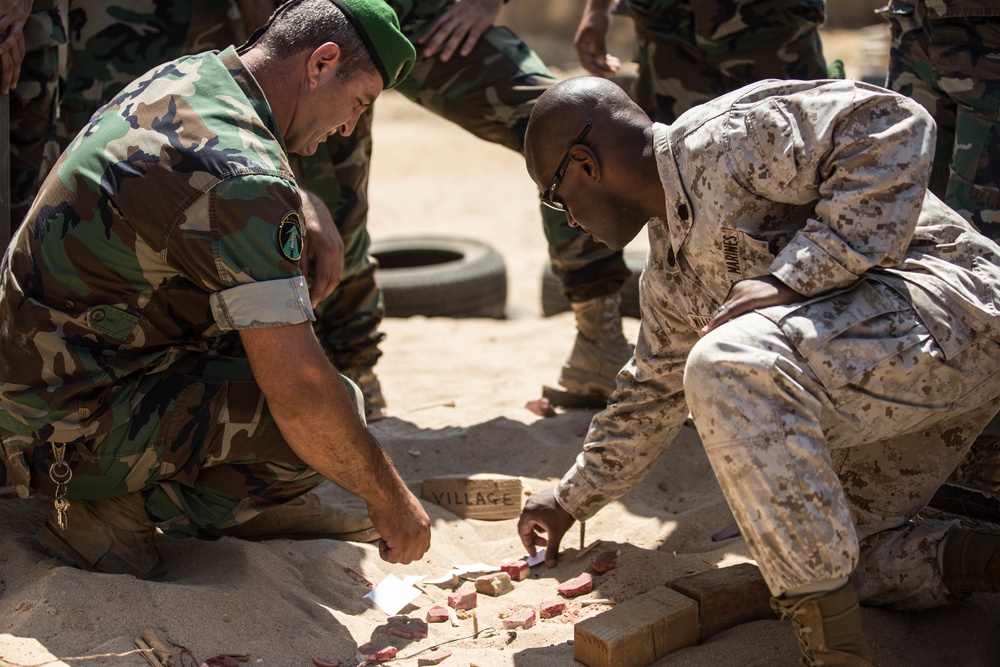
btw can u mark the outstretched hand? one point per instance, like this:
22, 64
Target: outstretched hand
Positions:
542, 514
459, 28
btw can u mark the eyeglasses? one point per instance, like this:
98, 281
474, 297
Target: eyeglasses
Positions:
547, 196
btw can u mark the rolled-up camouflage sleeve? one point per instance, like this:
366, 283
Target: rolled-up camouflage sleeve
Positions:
241, 241
865, 158
267, 304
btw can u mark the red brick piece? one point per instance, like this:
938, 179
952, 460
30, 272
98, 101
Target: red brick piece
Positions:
518, 570
551, 608
522, 619
411, 630
464, 598
375, 652
437, 614
576, 586
434, 658
605, 561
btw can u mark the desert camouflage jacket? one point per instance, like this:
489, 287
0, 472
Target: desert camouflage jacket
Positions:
171, 218
820, 184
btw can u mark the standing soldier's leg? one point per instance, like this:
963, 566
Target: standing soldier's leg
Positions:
691, 52
949, 66
33, 103
491, 93
112, 43
911, 73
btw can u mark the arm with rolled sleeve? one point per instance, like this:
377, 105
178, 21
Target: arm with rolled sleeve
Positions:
863, 154
644, 415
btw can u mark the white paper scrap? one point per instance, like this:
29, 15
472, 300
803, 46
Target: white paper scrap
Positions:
391, 594
539, 557
475, 567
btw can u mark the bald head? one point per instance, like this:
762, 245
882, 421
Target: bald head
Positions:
563, 110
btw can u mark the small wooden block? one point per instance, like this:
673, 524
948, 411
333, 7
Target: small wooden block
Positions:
480, 496
726, 597
495, 584
637, 632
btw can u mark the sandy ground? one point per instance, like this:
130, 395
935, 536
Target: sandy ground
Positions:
456, 391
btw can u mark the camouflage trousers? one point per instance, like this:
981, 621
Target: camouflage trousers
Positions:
113, 43
490, 93
826, 452
200, 446
687, 57
950, 66
33, 104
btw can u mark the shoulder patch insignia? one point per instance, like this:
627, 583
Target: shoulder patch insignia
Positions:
290, 237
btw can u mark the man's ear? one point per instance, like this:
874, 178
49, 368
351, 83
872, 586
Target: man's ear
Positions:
323, 62
588, 162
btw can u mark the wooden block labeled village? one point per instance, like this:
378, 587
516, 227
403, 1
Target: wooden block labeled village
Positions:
479, 496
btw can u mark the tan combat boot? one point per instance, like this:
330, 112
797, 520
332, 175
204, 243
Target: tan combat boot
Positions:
599, 352
112, 536
305, 518
366, 380
828, 627
971, 562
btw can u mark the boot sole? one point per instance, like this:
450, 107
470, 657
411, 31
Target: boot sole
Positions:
566, 399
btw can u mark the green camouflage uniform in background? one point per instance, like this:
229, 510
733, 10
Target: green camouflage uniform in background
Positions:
691, 51
166, 227
946, 55
112, 44
33, 103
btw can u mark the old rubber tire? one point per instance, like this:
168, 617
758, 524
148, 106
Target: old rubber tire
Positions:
440, 277
553, 301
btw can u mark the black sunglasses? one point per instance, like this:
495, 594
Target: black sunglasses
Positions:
547, 196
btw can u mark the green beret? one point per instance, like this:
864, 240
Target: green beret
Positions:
378, 27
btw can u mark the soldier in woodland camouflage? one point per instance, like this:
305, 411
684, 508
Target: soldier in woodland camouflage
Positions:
171, 225
476, 74
828, 322
946, 55
33, 100
690, 51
